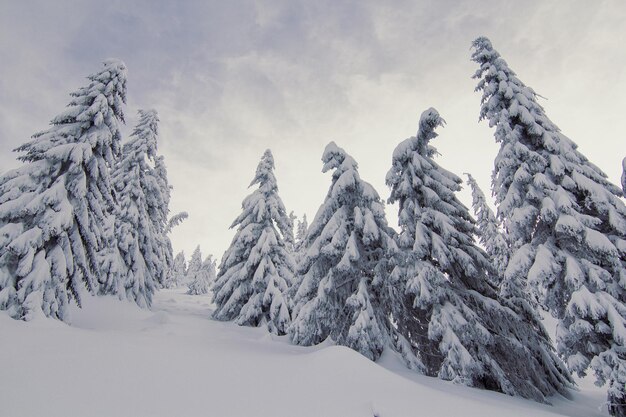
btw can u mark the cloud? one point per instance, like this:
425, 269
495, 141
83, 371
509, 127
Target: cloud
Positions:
230, 79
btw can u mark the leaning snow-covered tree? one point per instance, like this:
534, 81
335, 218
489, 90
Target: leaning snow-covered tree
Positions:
489, 233
203, 279
565, 223
194, 265
174, 274
338, 296
257, 269
452, 315
136, 233
53, 208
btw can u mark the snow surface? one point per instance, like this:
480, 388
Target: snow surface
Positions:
118, 360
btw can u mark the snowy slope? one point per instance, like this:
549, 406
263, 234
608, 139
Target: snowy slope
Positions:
118, 360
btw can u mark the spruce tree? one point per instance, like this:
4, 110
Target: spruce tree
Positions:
454, 320
203, 278
565, 223
257, 269
158, 191
194, 265
489, 233
339, 293
290, 239
299, 248
178, 271
137, 237
301, 231
53, 208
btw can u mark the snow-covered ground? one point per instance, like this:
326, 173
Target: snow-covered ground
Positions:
118, 360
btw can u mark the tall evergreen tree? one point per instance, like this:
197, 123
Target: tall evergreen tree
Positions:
565, 223
53, 208
194, 266
137, 237
461, 331
158, 191
338, 296
257, 269
489, 233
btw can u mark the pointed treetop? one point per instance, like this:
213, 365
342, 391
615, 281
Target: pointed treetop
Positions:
145, 133
265, 170
113, 76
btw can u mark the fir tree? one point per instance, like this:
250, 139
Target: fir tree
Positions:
454, 320
178, 271
489, 233
136, 236
290, 239
203, 278
194, 265
301, 231
257, 269
565, 223
299, 248
53, 209
158, 193
338, 296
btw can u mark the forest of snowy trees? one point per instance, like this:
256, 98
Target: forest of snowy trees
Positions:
457, 296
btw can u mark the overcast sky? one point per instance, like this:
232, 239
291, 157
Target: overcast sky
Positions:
232, 78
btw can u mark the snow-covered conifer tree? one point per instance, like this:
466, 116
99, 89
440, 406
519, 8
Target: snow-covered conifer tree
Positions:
489, 233
178, 271
290, 239
53, 209
158, 191
203, 279
137, 237
194, 265
299, 247
257, 269
565, 223
454, 320
301, 231
338, 296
